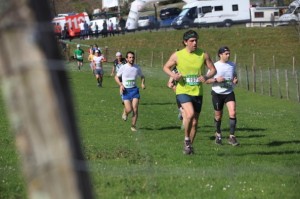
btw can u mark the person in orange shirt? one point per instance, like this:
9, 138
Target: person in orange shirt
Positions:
71, 34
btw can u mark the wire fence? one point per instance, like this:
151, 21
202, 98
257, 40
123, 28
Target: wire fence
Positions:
282, 83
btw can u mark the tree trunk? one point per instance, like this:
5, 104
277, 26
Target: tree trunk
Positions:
39, 103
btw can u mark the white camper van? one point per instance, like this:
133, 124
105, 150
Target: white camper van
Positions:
265, 16
292, 15
213, 12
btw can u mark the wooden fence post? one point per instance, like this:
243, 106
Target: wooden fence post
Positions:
270, 81
152, 54
39, 104
293, 65
235, 58
106, 53
278, 83
287, 84
261, 81
247, 78
254, 73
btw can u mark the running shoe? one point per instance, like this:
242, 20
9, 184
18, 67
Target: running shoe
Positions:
188, 149
133, 129
124, 116
232, 140
218, 139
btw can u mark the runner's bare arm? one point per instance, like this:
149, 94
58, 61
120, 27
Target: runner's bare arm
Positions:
169, 65
211, 67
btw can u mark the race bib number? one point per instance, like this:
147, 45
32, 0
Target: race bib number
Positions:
192, 80
227, 84
130, 83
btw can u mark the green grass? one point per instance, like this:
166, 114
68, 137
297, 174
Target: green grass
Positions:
150, 163
280, 42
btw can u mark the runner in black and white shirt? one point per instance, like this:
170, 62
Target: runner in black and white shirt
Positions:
223, 84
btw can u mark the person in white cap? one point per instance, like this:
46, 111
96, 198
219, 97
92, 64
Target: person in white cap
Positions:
98, 69
78, 55
118, 62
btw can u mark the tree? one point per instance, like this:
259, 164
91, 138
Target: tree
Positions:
39, 103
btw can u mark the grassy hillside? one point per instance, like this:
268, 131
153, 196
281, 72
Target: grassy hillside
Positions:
280, 42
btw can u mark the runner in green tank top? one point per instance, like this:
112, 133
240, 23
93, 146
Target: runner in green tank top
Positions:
190, 62
78, 55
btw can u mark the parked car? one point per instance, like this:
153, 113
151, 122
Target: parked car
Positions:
147, 22
167, 15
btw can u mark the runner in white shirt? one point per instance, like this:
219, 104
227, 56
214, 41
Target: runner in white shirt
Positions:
98, 69
222, 93
128, 88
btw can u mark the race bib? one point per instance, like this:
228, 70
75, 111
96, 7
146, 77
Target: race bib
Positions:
192, 80
130, 83
79, 56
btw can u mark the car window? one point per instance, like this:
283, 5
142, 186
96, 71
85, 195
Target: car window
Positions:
144, 17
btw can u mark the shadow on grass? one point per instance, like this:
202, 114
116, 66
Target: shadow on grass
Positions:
263, 153
162, 128
279, 143
156, 103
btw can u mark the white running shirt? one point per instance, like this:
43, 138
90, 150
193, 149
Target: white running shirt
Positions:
226, 70
98, 61
129, 75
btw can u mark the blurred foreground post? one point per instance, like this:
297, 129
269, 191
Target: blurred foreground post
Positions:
39, 104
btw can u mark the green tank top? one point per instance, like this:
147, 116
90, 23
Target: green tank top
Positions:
190, 66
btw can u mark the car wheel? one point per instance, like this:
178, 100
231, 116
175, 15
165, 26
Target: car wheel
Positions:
227, 23
185, 25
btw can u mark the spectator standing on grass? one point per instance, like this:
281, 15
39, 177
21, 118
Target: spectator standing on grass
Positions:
71, 34
190, 63
122, 24
222, 93
98, 68
86, 30
111, 28
58, 30
128, 88
65, 31
78, 55
81, 26
104, 30
96, 30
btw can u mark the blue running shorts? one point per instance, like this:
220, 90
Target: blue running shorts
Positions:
130, 93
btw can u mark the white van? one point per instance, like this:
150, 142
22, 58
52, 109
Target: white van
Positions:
264, 16
292, 15
214, 12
